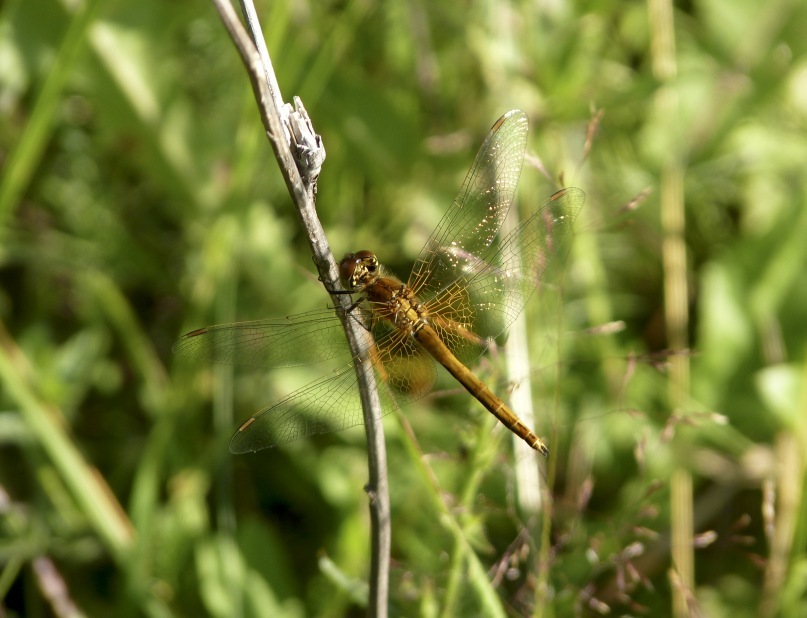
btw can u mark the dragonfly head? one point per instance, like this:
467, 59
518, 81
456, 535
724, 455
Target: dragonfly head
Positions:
359, 269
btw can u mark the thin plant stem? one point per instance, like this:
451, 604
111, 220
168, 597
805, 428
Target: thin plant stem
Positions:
479, 462
784, 506
478, 579
676, 312
528, 482
303, 197
20, 163
256, 34
87, 486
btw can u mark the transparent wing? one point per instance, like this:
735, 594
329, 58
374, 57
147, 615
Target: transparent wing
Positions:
516, 267
282, 342
471, 290
402, 362
491, 290
309, 338
332, 403
329, 404
474, 218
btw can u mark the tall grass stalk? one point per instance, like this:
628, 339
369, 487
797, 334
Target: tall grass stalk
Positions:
673, 222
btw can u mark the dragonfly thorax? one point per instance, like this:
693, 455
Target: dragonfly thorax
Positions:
358, 270
461, 291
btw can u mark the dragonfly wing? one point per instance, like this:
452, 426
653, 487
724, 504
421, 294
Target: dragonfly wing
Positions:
283, 342
402, 362
333, 403
328, 404
454, 318
504, 280
474, 218
490, 291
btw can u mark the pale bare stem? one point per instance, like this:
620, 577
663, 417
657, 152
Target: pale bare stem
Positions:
536, 162
271, 108
636, 201
676, 294
54, 588
516, 351
591, 132
256, 33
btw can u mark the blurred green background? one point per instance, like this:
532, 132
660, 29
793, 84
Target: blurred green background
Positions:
139, 199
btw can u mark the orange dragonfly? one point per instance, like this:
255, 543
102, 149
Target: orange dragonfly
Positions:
465, 289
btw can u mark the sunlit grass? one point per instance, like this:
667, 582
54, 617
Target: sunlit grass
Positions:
139, 200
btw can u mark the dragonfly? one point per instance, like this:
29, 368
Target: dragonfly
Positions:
466, 287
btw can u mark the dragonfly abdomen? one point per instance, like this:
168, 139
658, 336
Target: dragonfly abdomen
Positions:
430, 340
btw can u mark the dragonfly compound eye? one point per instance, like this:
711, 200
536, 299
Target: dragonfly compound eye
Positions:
347, 269
426, 314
